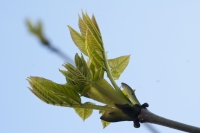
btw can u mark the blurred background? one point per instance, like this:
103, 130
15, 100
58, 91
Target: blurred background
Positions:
163, 38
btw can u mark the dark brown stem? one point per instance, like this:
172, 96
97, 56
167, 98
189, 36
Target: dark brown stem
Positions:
61, 54
146, 116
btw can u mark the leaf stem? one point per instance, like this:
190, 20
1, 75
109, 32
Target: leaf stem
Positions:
86, 106
109, 75
146, 116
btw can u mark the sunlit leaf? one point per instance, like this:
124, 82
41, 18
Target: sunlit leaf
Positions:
80, 74
68, 77
85, 69
82, 27
46, 95
105, 123
125, 93
118, 65
57, 89
84, 113
90, 25
78, 61
75, 75
78, 40
95, 22
94, 50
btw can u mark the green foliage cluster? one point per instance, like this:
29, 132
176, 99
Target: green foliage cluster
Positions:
86, 78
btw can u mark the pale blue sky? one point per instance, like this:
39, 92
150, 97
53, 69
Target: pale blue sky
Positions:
163, 38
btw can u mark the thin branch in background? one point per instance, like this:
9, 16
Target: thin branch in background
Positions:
38, 32
150, 127
59, 53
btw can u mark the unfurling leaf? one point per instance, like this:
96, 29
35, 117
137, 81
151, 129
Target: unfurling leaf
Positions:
92, 28
68, 77
131, 93
78, 40
95, 23
94, 50
82, 26
84, 113
76, 75
118, 65
79, 75
93, 42
56, 92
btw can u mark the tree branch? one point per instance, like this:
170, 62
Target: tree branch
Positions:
146, 116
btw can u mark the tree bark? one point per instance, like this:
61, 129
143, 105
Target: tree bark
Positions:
146, 116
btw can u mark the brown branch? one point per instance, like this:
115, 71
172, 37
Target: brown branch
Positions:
146, 116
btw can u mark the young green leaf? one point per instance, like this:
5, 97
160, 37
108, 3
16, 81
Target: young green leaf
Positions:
78, 61
94, 50
82, 27
105, 123
50, 98
57, 89
68, 77
45, 95
84, 113
87, 79
95, 23
92, 28
78, 40
77, 76
118, 65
